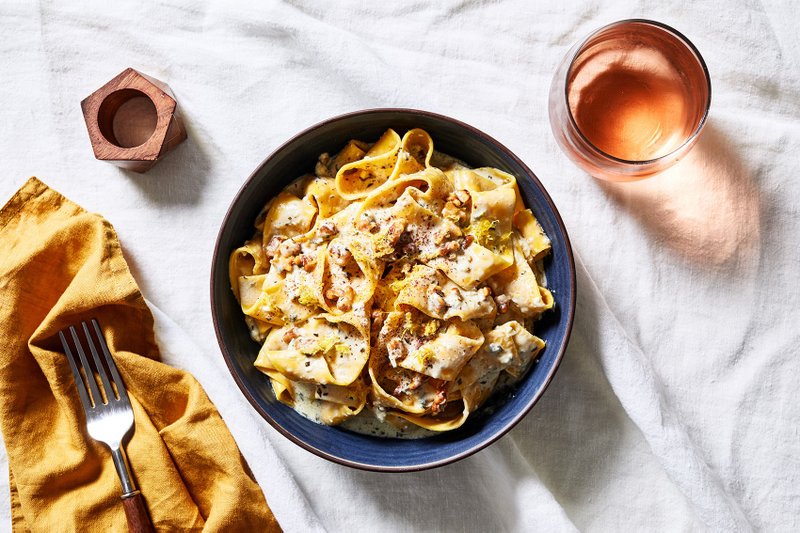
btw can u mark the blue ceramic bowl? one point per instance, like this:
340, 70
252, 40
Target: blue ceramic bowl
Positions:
502, 411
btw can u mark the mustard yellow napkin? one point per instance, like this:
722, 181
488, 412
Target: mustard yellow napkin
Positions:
60, 265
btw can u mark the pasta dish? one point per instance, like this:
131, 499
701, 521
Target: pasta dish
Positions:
394, 288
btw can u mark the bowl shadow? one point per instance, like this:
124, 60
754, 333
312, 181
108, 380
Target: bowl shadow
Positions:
575, 433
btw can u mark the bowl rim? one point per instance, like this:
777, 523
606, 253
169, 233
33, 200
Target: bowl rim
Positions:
570, 311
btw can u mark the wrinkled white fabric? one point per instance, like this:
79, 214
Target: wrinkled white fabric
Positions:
675, 407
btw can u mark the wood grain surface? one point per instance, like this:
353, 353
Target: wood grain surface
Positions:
133, 121
136, 513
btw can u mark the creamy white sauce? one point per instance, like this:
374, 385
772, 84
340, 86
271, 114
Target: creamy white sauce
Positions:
540, 273
368, 423
306, 404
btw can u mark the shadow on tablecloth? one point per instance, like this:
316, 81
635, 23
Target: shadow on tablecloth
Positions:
706, 208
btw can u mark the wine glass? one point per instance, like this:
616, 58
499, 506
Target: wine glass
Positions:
629, 100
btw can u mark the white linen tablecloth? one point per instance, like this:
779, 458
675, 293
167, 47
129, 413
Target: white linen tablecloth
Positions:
676, 404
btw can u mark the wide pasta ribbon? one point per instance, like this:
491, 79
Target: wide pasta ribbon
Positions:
355, 180
520, 284
433, 293
326, 349
390, 158
508, 347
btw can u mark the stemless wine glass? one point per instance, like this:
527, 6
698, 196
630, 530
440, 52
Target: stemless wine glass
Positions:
629, 100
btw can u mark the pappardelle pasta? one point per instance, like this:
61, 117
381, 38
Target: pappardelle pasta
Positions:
393, 289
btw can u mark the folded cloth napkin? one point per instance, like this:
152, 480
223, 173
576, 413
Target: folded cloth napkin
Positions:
60, 265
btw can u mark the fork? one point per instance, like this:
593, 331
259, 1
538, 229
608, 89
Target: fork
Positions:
109, 416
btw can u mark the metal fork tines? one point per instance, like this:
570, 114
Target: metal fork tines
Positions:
109, 416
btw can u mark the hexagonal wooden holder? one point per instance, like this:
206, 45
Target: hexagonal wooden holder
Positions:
100, 109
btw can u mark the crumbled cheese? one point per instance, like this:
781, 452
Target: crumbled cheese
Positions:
485, 232
342, 349
306, 296
431, 327
426, 357
321, 346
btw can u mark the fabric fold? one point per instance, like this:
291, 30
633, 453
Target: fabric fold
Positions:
60, 265
640, 394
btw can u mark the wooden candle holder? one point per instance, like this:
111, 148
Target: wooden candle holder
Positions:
133, 121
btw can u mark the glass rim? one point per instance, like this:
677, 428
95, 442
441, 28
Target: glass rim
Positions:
695, 52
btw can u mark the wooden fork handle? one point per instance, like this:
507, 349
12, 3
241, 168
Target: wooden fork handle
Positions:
136, 513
